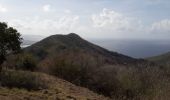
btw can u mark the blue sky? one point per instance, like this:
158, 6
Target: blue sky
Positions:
109, 19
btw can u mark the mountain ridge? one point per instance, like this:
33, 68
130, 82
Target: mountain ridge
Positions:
162, 59
73, 41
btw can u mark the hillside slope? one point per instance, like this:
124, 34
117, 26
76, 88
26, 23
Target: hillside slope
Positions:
85, 64
163, 59
57, 44
58, 90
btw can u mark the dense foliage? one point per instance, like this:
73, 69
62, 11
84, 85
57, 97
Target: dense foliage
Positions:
9, 41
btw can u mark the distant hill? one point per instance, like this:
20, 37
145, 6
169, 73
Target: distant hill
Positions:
32, 37
28, 42
163, 59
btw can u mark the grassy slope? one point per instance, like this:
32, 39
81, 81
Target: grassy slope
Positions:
161, 59
58, 90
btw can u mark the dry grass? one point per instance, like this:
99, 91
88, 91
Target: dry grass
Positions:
58, 90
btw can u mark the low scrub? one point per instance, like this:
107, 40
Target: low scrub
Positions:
22, 79
22, 61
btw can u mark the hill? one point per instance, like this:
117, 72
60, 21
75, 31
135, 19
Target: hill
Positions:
58, 89
163, 59
85, 64
57, 44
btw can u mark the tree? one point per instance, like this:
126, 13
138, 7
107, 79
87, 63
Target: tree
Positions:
10, 41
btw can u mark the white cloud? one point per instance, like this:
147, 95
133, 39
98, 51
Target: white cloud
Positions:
105, 24
162, 26
67, 11
114, 21
3, 9
47, 8
45, 27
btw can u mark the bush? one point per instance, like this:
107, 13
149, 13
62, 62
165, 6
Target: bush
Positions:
22, 79
73, 67
25, 62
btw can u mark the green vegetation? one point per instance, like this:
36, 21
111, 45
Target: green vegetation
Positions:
22, 79
9, 41
25, 62
22, 61
161, 59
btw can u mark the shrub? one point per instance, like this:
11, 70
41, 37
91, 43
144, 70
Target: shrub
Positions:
22, 79
25, 62
71, 66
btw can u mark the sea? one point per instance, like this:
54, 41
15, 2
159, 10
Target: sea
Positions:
132, 48
136, 48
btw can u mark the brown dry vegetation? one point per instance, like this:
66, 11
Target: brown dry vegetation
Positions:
58, 89
84, 64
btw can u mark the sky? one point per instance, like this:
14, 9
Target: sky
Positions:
99, 19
